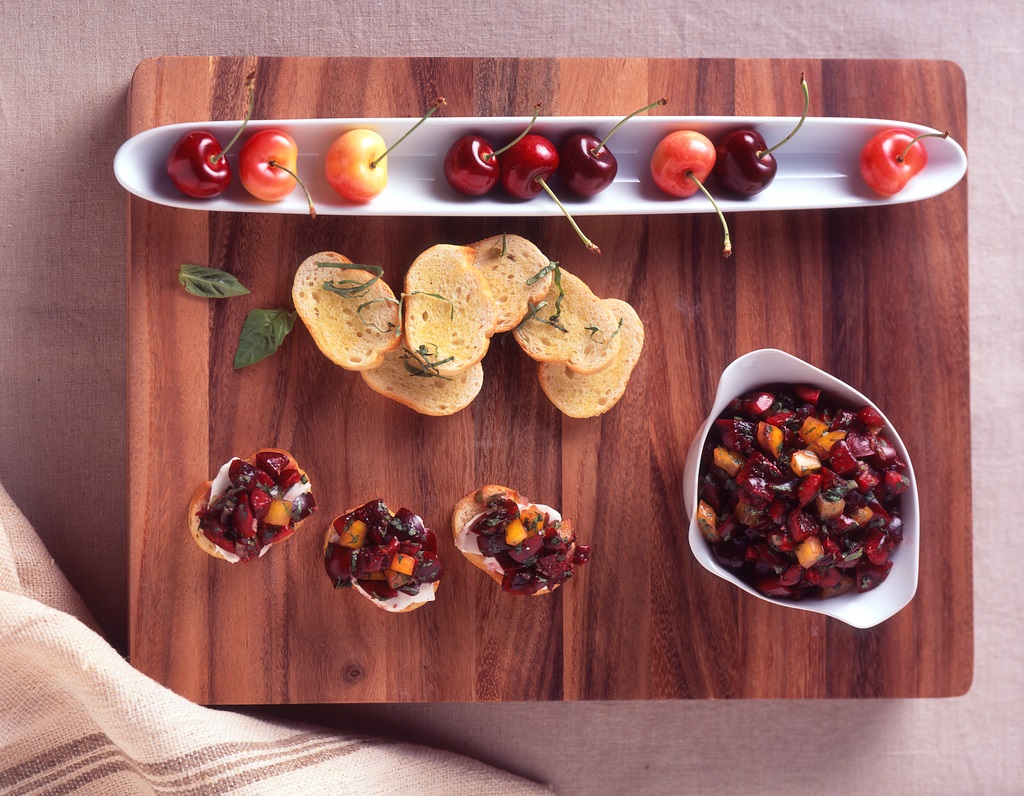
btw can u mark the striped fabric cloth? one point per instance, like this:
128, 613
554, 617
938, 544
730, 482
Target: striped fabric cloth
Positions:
77, 718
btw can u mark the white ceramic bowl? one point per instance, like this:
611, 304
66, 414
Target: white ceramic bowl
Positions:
859, 609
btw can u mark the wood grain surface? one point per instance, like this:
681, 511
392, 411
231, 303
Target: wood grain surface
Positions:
876, 296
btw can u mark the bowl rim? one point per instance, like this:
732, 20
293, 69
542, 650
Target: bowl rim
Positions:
858, 609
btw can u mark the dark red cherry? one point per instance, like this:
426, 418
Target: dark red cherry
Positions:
585, 166
531, 159
470, 166
197, 166
742, 165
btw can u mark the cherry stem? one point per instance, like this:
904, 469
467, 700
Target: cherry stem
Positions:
604, 141
586, 241
437, 104
250, 85
807, 104
727, 247
900, 157
274, 164
518, 138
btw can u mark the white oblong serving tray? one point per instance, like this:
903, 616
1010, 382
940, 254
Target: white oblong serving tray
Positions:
818, 168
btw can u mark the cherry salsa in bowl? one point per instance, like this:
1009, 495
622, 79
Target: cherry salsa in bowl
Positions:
778, 373
799, 495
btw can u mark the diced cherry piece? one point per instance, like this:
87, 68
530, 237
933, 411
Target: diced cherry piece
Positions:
730, 553
581, 555
870, 418
756, 493
271, 534
527, 549
428, 568
289, 478
556, 567
777, 511
756, 404
860, 445
808, 487
759, 465
894, 526
829, 578
878, 511
885, 453
791, 575
242, 473
737, 435
247, 548
259, 501
711, 494
520, 582
220, 540
870, 575
866, 478
779, 419
303, 506
411, 524
843, 420
807, 394
831, 550
429, 541
492, 545
852, 557
772, 586
878, 546
841, 524
829, 480
272, 462
801, 525
242, 521
380, 589
896, 483
371, 559
841, 459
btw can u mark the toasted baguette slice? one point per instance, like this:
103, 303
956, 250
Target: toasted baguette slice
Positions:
457, 326
584, 318
579, 395
428, 395
477, 502
201, 499
332, 536
509, 275
354, 340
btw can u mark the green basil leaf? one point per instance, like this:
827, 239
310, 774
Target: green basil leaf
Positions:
210, 282
262, 334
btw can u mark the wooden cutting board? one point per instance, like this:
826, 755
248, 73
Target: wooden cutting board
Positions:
877, 297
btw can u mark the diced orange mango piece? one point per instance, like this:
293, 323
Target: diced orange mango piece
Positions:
862, 516
811, 429
279, 513
532, 519
803, 462
728, 460
747, 514
770, 438
400, 562
708, 522
515, 532
809, 551
353, 535
396, 579
823, 444
829, 509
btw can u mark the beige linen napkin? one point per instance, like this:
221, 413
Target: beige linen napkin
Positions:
76, 718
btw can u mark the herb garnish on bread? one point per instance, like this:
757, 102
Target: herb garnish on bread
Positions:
350, 311
564, 327
579, 395
407, 376
511, 264
448, 308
